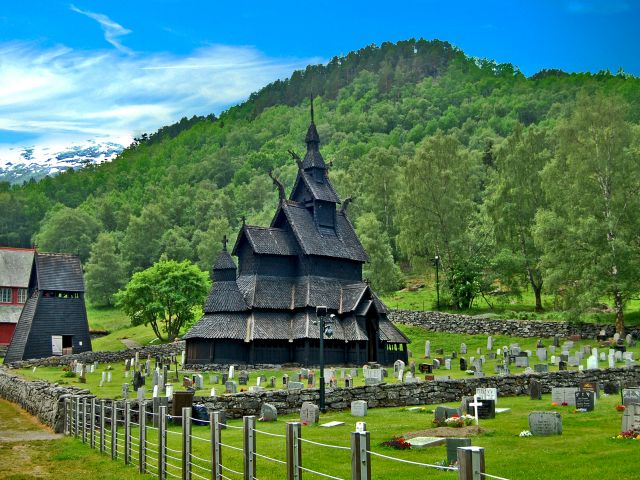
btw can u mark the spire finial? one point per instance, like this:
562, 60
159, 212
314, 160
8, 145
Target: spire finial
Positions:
244, 220
224, 243
312, 108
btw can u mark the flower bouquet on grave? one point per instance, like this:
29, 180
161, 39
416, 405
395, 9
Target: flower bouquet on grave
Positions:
398, 443
459, 421
525, 433
633, 434
620, 408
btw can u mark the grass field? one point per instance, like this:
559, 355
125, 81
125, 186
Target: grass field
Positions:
448, 341
24, 458
586, 449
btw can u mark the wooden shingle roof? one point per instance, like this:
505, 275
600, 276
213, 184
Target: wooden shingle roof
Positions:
267, 241
344, 244
59, 272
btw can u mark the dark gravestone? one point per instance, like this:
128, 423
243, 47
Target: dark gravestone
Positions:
466, 400
611, 388
452, 448
562, 365
138, 380
243, 378
535, 390
442, 413
592, 387
225, 378
179, 401
426, 368
440, 351
487, 410
463, 364
585, 400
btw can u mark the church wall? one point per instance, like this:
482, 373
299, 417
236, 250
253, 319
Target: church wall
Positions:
277, 265
247, 261
333, 268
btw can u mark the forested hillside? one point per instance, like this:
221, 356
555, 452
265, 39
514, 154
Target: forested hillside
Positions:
511, 181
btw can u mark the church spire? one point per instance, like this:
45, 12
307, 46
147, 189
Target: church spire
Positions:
224, 269
313, 158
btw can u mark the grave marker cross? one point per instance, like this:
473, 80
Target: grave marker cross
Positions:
475, 404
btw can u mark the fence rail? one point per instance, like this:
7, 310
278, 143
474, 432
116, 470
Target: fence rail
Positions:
109, 427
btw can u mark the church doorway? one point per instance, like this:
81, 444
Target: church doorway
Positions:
372, 333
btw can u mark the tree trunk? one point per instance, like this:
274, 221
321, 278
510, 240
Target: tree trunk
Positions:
619, 313
537, 290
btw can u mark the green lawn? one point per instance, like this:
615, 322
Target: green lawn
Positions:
586, 449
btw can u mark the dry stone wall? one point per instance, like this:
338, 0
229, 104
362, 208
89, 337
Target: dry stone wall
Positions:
41, 399
454, 323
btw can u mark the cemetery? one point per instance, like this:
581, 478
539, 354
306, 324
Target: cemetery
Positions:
566, 411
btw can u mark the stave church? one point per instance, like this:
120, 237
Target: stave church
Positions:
264, 310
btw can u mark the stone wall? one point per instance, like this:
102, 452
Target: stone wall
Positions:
454, 323
407, 394
102, 357
46, 401
42, 399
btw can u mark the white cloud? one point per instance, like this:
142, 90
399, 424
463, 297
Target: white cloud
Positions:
112, 30
60, 92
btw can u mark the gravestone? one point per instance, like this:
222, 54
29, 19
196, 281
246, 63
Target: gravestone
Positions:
487, 394
463, 349
412, 368
442, 413
592, 387
592, 362
452, 448
611, 388
427, 349
535, 390
232, 370
358, 408
125, 391
309, 413
224, 378
556, 341
138, 380
231, 387
489, 343
372, 376
398, 367
631, 418
542, 354
348, 382
463, 364
485, 411
541, 368
562, 395
272, 382
522, 362
199, 382
243, 378
585, 400
545, 423
562, 365
630, 396
447, 364
464, 403
268, 413
295, 385
141, 393
353, 372
285, 380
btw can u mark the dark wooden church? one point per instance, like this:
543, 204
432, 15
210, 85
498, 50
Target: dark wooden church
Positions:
265, 310
54, 318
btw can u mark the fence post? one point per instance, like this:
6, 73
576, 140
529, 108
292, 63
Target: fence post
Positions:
92, 423
216, 457
186, 443
249, 444
103, 414
67, 416
142, 422
360, 456
76, 416
127, 432
114, 430
294, 451
84, 419
470, 463
162, 442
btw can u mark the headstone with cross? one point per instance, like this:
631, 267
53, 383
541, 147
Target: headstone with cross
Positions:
475, 404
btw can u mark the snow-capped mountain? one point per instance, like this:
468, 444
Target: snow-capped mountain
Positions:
20, 164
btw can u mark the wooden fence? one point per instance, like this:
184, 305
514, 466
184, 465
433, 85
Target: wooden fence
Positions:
111, 429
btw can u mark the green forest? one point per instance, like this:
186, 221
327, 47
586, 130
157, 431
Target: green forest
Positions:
516, 183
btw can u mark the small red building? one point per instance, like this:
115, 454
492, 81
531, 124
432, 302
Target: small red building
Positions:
15, 269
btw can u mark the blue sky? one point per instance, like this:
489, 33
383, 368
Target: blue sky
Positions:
72, 71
